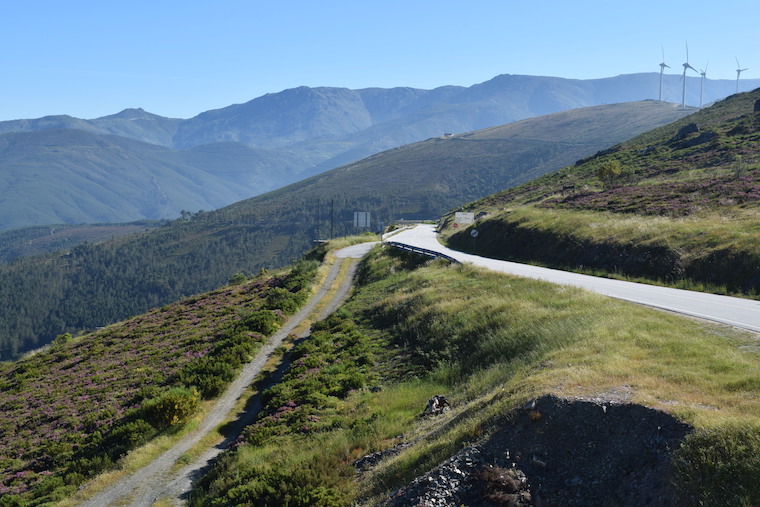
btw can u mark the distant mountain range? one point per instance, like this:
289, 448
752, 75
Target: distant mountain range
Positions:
135, 165
96, 283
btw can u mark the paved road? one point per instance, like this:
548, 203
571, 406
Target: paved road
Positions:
742, 313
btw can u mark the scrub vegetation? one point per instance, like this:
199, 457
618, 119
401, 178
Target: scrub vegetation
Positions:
76, 408
679, 205
490, 342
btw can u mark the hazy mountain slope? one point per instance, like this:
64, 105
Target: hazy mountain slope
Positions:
47, 238
291, 135
132, 123
140, 125
65, 176
418, 180
92, 285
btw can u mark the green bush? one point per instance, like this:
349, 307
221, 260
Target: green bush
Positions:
282, 299
237, 279
129, 435
265, 322
62, 339
720, 466
300, 275
208, 375
172, 408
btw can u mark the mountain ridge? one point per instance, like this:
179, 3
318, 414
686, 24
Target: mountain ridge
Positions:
291, 135
99, 283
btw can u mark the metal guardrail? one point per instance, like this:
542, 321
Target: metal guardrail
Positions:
421, 251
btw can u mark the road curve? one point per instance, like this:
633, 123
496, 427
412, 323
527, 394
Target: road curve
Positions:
155, 480
741, 313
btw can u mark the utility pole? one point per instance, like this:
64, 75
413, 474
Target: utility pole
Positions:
332, 216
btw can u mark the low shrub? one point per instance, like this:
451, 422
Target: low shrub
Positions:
265, 321
284, 300
129, 435
208, 375
720, 466
172, 408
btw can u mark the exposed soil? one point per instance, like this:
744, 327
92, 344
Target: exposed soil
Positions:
560, 452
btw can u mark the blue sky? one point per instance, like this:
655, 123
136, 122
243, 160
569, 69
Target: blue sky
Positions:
94, 58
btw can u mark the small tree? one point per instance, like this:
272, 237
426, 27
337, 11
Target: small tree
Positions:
62, 339
609, 171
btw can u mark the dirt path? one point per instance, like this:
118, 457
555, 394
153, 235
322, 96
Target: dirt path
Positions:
155, 480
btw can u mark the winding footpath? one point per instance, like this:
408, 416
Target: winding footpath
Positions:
156, 481
737, 312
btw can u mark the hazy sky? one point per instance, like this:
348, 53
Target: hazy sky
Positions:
91, 58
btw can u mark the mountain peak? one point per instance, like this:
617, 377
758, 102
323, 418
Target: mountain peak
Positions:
130, 114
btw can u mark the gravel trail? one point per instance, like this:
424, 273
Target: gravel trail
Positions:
154, 481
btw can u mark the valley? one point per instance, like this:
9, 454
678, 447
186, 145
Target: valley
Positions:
92, 285
548, 384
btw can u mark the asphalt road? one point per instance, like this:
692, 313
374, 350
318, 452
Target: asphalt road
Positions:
742, 313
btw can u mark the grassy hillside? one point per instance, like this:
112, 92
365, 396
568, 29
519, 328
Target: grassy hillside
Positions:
95, 284
491, 343
679, 205
76, 408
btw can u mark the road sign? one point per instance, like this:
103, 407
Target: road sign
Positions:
462, 217
361, 219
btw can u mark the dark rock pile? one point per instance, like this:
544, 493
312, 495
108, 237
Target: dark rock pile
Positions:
560, 452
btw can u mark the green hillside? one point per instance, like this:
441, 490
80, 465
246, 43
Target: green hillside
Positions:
594, 400
73, 410
92, 285
621, 388
678, 205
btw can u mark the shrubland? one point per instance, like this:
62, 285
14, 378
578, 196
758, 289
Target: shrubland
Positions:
79, 406
490, 342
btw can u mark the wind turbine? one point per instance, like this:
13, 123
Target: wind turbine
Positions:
662, 69
683, 78
739, 70
703, 73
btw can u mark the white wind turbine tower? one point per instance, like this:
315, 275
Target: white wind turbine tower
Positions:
683, 78
703, 73
739, 70
662, 69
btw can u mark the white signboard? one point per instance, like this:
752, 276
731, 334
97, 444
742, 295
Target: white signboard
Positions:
361, 219
461, 217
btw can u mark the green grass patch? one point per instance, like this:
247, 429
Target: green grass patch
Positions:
489, 342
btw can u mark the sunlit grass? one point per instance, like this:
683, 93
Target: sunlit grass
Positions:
529, 338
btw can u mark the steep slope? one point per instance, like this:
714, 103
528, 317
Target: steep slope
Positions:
92, 285
89, 401
679, 204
